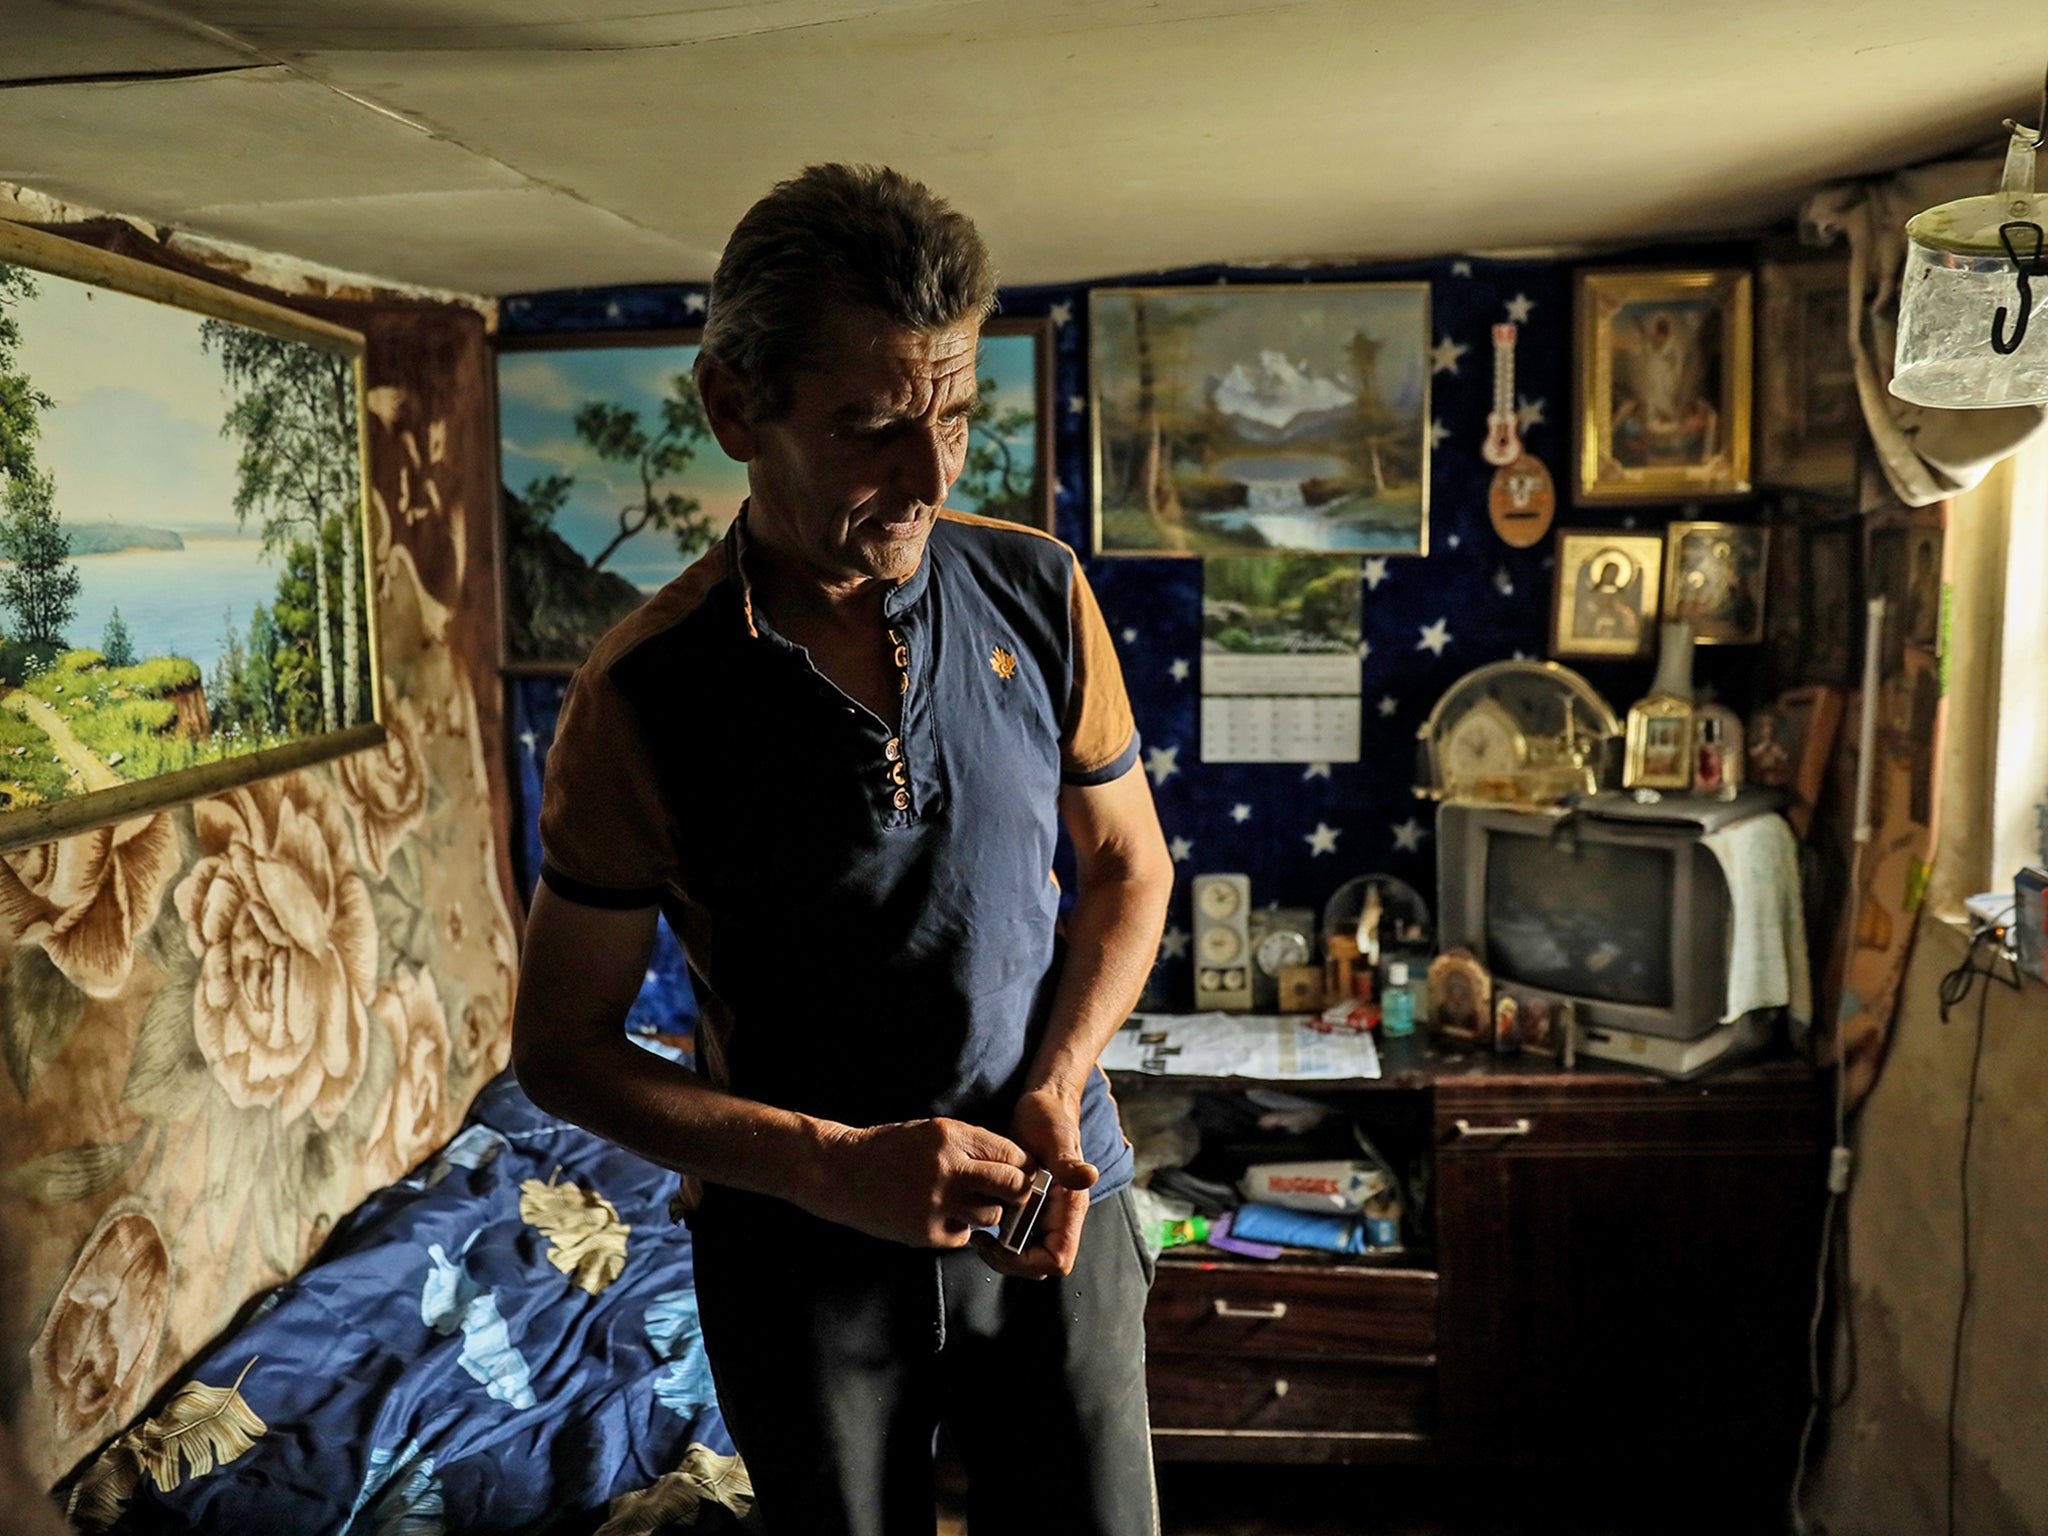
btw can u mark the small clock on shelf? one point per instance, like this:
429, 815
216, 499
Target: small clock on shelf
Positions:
1517, 733
1282, 939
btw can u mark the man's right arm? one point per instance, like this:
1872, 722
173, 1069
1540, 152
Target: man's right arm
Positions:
924, 1182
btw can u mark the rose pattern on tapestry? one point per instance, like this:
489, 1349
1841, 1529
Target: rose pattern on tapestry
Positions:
102, 1330
280, 923
87, 899
386, 787
410, 1120
224, 1024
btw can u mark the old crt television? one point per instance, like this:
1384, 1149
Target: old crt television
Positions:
1629, 918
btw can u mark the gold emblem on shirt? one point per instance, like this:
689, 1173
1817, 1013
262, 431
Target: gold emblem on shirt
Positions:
1003, 663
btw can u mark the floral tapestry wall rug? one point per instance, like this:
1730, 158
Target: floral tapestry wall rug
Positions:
223, 1024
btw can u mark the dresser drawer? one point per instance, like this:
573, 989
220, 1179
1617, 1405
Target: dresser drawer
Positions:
1622, 1113
1253, 1396
1293, 1312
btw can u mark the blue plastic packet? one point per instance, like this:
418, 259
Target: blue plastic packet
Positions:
1300, 1229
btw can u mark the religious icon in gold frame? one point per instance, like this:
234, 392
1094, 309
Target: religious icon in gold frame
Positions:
1663, 384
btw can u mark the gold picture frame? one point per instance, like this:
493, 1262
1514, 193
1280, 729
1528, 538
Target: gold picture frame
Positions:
1606, 591
1714, 579
1663, 384
108, 714
1659, 752
1809, 415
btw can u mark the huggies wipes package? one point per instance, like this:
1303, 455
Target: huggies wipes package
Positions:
1330, 1188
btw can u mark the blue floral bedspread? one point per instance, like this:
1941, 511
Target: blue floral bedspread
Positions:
434, 1370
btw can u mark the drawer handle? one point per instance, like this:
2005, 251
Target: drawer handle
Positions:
1271, 1312
1467, 1129
1280, 1387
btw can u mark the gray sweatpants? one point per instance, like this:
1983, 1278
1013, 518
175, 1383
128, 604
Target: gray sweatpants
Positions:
836, 1356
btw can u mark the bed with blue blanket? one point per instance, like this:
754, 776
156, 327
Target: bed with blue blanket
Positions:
477, 1348
505, 1340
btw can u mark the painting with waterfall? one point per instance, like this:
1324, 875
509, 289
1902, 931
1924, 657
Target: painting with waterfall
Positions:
184, 602
1261, 419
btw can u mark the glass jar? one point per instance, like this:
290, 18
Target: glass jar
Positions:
1966, 262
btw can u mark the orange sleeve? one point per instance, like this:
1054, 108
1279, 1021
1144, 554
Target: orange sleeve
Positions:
1100, 741
604, 831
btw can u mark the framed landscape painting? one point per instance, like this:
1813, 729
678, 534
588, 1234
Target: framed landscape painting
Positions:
611, 482
1258, 420
184, 604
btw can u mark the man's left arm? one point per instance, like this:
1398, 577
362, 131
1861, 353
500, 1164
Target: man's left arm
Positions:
1113, 933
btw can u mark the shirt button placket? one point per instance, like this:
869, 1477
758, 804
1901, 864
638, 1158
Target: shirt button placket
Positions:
898, 772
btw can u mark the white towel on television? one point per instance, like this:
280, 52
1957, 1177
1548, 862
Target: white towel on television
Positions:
1767, 928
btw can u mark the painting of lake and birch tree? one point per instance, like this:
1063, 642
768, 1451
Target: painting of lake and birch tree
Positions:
612, 483
182, 555
1258, 420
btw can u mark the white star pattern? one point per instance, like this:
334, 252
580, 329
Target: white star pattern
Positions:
1062, 313
1437, 432
694, 303
1374, 572
1461, 269
529, 741
1321, 841
1443, 357
1388, 704
1455, 540
1181, 850
1518, 309
1409, 835
1173, 944
1076, 404
1523, 656
1365, 650
1503, 582
1179, 669
1059, 486
1240, 813
1316, 771
1159, 762
1529, 413
1435, 637
1130, 635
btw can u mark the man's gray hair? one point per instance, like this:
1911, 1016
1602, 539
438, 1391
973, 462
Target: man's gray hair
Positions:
858, 235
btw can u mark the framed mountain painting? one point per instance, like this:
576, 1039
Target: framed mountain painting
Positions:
1259, 420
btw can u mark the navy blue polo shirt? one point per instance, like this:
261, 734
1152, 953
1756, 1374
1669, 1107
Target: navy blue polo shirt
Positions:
868, 913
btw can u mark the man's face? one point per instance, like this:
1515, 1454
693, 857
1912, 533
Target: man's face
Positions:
852, 476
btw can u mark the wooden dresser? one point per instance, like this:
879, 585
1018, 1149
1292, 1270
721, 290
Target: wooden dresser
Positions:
1607, 1264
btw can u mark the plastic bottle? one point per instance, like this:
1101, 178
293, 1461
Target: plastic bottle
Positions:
1189, 1229
1397, 1003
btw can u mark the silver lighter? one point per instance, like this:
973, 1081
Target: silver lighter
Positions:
1018, 1221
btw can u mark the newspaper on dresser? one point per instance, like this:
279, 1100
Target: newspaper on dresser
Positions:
1237, 1045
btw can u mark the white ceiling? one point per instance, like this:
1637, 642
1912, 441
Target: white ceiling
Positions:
494, 146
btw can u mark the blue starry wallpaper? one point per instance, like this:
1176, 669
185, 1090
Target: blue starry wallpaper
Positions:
1299, 830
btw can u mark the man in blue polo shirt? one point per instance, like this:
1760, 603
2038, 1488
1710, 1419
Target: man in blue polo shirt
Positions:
836, 752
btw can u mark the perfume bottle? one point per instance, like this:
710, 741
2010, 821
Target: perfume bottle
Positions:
1716, 751
1660, 745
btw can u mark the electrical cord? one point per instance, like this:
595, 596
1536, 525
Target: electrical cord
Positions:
1838, 1182
1955, 990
